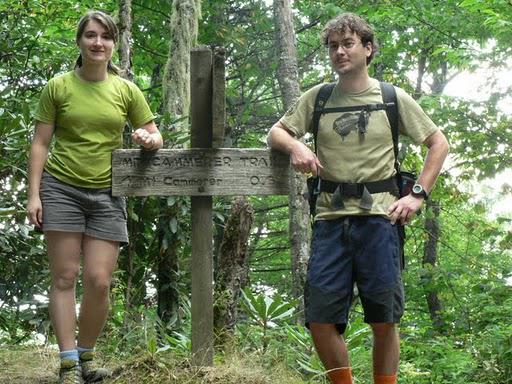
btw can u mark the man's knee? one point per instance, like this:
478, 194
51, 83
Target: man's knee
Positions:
383, 329
322, 328
320, 332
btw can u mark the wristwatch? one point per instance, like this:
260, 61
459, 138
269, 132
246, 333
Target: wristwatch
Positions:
418, 190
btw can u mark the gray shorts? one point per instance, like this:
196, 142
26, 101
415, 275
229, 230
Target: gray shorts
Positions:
94, 212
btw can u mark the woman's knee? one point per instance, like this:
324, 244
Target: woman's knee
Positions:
98, 283
65, 279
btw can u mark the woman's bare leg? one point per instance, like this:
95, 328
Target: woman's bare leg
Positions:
100, 259
64, 256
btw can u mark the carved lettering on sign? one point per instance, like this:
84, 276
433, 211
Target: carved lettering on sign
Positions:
135, 181
180, 162
262, 180
169, 180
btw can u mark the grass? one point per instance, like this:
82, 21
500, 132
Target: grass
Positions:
39, 366
23, 365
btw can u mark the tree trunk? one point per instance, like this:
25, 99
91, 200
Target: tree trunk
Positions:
422, 64
286, 45
126, 263
176, 82
288, 78
176, 102
429, 261
125, 37
233, 267
167, 267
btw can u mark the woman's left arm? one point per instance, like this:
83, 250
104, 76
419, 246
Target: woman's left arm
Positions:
148, 136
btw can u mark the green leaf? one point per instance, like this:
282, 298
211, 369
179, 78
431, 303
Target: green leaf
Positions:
7, 211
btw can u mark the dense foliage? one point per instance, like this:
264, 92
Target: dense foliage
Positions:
425, 44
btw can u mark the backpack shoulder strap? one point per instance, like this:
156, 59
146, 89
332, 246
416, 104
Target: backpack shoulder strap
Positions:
321, 99
388, 92
389, 97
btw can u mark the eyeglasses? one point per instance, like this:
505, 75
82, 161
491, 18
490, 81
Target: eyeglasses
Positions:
347, 45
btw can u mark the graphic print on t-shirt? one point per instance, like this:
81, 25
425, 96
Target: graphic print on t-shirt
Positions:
353, 121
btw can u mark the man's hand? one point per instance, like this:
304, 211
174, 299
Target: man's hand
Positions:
304, 160
404, 209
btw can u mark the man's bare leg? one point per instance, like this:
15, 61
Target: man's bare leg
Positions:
332, 350
386, 352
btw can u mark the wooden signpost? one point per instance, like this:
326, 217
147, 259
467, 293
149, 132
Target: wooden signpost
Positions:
202, 172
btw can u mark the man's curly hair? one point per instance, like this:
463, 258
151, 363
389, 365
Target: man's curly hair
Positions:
350, 22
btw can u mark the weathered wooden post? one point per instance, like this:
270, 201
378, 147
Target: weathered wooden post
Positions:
201, 92
202, 172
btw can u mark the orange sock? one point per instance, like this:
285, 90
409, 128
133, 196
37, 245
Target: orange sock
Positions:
381, 379
340, 375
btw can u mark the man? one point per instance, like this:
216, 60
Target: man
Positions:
355, 236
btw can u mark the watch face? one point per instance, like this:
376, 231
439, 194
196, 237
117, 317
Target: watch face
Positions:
417, 189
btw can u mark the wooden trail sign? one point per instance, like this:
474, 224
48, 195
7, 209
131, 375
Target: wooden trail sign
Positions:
200, 172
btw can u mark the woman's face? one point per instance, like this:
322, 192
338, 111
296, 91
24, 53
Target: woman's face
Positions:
96, 44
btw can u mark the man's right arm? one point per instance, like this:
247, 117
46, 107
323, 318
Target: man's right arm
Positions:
302, 158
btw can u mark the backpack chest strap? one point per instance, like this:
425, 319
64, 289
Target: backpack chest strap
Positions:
358, 108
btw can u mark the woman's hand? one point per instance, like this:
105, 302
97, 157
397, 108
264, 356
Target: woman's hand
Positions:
144, 138
35, 211
148, 136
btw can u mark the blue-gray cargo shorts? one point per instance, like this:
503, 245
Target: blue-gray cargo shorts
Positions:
92, 211
362, 250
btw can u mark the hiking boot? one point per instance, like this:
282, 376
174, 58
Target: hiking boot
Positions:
70, 372
90, 372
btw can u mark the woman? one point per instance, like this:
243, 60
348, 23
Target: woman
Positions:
84, 111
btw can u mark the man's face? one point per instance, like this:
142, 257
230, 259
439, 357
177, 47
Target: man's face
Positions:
347, 53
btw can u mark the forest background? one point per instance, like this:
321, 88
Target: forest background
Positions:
458, 275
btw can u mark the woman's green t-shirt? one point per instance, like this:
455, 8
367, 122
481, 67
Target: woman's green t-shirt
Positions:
89, 120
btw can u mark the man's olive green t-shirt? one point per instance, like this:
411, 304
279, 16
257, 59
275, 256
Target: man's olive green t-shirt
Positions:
350, 156
89, 119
